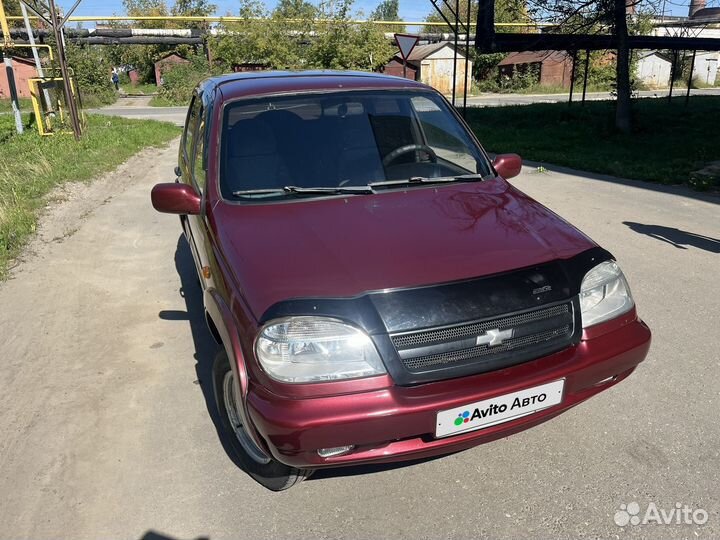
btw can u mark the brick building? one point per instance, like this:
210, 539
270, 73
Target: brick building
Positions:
554, 67
24, 69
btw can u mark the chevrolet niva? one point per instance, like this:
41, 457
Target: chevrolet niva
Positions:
380, 291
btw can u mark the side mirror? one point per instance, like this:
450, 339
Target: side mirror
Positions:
508, 165
175, 198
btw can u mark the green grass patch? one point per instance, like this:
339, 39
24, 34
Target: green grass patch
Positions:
669, 141
30, 166
6, 105
141, 88
162, 101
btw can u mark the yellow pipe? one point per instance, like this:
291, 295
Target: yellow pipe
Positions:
49, 49
85, 18
7, 40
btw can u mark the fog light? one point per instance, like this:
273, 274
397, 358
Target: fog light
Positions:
337, 451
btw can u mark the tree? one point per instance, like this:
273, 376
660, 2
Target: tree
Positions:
388, 10
623, 108
278, 40
295, 36
341, 44
295, 9
194, 8
92, 73
598, 16
12, 8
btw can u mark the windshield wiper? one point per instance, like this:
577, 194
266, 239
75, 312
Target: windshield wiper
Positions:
427, 180
347, 190
341, 190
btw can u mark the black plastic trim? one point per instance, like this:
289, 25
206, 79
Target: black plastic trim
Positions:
381, 313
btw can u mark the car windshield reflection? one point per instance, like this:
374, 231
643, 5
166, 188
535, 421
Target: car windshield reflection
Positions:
320, 143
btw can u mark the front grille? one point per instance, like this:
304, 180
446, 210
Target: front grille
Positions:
535, 333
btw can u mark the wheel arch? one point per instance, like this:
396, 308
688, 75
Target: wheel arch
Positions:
222, 326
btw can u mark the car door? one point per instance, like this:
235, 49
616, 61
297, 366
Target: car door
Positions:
193, 169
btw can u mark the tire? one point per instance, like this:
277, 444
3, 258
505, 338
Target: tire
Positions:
265, 470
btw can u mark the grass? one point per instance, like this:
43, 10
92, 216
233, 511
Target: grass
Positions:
160, 101
6, 105
668, 143
30, 166
143, 88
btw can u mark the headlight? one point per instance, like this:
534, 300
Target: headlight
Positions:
604, 294
314, 349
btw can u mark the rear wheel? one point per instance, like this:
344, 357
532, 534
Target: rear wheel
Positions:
252, 459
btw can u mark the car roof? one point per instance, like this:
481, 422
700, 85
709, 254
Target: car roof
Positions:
235, 85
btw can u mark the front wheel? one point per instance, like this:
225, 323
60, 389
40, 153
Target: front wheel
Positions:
253, 460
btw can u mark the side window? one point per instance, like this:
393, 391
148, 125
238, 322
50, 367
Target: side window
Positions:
200, 158
191, 125
444, 135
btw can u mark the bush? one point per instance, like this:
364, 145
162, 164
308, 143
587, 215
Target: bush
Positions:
523, 77
180, 80
92, 74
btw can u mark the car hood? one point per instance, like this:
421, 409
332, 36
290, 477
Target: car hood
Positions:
345, 246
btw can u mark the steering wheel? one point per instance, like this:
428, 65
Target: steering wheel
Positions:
392, 156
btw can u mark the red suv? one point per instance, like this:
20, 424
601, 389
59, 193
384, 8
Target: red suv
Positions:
380, 291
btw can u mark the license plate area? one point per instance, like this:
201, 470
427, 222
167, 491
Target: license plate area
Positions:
497, 410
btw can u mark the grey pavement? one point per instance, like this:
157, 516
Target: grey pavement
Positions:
105, 430
138, 107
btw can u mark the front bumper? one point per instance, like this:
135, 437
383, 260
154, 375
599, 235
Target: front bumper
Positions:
398, 423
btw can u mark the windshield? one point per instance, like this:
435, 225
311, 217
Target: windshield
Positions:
341, 140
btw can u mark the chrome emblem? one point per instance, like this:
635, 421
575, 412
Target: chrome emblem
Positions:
546, 288
494, 337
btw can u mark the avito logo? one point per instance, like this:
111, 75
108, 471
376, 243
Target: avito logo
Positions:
466, 416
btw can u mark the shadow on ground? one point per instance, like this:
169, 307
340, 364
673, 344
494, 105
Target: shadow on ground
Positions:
154, 535
358, 470
676, 237
205, 351
205, 346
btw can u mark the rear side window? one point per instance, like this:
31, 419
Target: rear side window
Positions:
200, 156
191, 125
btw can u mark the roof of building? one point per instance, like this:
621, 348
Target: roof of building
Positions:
421, 52
534, 57
661, 56
171, 55
23, 60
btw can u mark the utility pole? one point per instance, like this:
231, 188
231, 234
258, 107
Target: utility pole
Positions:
57, 25
38, 64
57, 22
7, 42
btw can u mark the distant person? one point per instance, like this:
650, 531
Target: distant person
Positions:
116, 80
